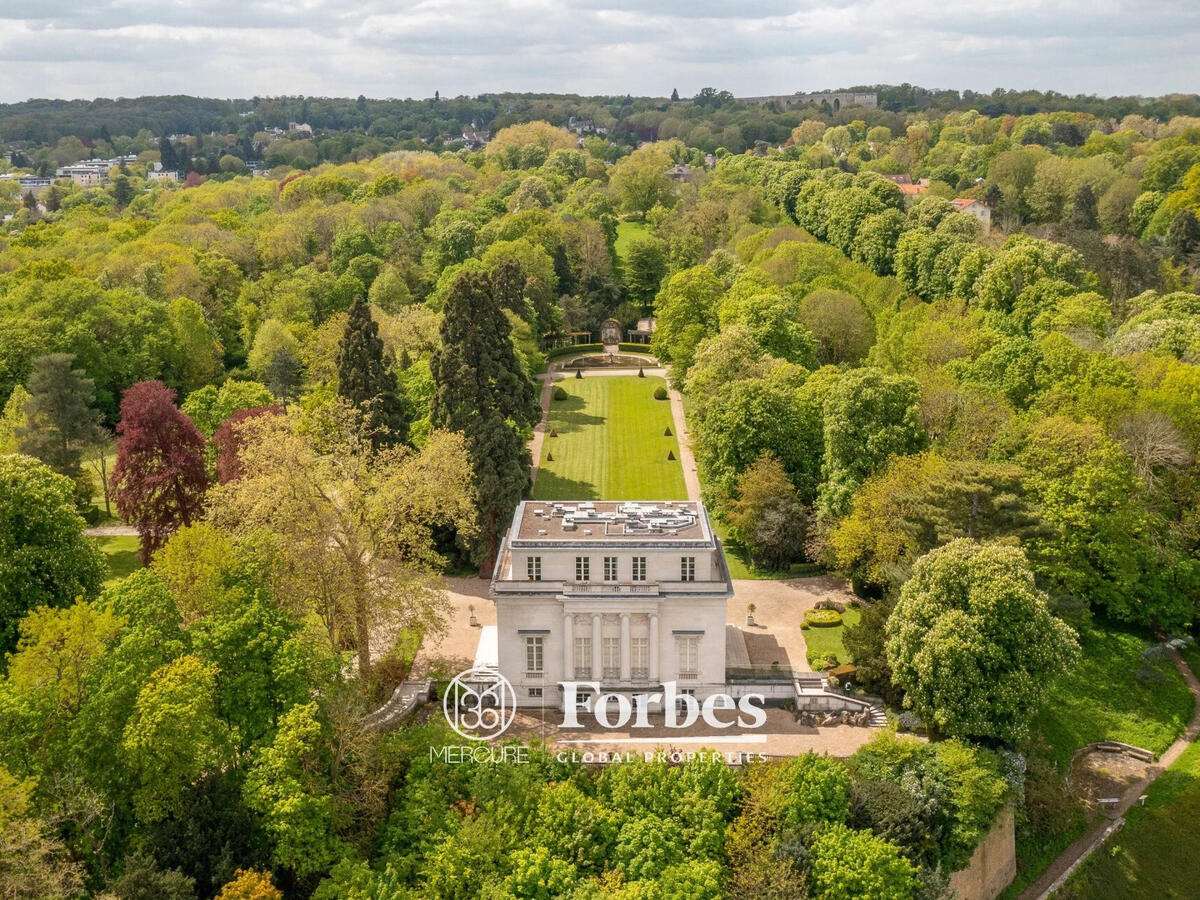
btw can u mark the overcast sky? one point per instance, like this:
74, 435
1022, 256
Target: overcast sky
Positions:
410, 48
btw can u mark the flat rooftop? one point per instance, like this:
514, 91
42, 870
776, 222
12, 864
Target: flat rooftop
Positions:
615, 521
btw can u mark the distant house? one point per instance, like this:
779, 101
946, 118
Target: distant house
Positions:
898, 179
680, 172
475, 138
300, 128
162, 175
913, 190
976, 208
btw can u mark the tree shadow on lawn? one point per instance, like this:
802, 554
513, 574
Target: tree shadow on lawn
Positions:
552, 486
568, 415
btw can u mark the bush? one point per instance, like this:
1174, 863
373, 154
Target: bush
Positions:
660, 393
822, 618
819, 660
560, 393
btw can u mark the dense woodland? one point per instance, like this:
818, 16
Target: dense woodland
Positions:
311, 392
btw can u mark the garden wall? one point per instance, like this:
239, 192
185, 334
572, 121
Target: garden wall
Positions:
993, 866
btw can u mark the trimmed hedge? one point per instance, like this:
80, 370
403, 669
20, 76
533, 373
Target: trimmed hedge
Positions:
822, 618
560, 393
583, 349
660, 393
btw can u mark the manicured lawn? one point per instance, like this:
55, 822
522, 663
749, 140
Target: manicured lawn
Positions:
826, 641
1114, 695
1157, 853
610, 443
740, 566
626, 232
121, 553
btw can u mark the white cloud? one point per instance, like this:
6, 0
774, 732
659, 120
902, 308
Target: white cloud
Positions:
228, 48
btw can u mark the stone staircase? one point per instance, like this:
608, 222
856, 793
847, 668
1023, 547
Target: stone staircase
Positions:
811, 681
815, 701
402, 704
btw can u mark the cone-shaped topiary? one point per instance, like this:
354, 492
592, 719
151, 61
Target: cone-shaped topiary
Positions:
670, 454
549, 457
667, 431
553, 433
579, 373
641, 372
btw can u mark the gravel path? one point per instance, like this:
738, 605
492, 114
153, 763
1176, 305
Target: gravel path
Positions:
111, 531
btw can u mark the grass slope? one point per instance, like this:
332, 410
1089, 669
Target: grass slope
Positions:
121, 554
1104, 698
610, 443
626, 232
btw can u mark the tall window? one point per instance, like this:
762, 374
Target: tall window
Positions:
639, 657
610, 568
533, 567
583, 657
689, 655
639, 568
583, 568
610, 650
687, 568
534, 657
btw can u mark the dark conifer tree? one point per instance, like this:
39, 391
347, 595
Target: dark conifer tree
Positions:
483, 392
367, 383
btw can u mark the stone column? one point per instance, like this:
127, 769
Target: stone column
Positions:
625, 652
654, 647
568, 656
597, 660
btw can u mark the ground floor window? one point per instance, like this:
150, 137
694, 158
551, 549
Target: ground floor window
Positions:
583, 657
534, 656
639, 658
688, 647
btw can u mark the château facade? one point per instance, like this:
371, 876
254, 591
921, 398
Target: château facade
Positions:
626, 594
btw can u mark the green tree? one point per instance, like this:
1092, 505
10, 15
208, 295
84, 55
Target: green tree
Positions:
844, 863
482, 391
639, 181
645, 265
60, 421
686, 313
275, 358
973, 643
767, 516
209, 406
284, 786
174, 735
810, 790
840, 324
198, 354
47, 560
12, 418
367, 383
869, 417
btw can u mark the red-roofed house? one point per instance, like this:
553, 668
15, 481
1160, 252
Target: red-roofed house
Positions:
976, 208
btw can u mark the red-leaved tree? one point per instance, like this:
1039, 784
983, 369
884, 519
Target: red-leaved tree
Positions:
159, 477
228, 441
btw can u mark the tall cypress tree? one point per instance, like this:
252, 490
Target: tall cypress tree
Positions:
483, 392
367, 383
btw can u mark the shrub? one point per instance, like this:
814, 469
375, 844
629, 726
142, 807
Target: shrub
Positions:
560, 393
819, 660
660, 393
822, 618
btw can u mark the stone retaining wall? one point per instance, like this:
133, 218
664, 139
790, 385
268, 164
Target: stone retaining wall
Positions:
993, 866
